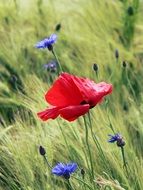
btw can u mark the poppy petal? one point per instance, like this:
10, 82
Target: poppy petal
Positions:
92, 93
50, 113
64, 92
71, 113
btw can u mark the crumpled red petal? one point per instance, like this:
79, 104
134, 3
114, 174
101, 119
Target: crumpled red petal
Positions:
49, 113
71, 113
64, 92
92, 93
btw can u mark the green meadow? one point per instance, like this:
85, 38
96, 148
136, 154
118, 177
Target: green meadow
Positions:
106, 32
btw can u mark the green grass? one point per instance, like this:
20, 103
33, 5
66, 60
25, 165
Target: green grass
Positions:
90, 33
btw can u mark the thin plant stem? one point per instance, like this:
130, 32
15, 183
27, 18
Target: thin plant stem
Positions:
86, 184
50, 167
64, 137
56, 57
97, 77
70, 187
97, 143
83, 183
86, 158
110, 124
47, 162
124, 160
88, 147
130, 85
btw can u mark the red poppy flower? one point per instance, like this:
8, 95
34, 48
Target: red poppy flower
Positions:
71, 97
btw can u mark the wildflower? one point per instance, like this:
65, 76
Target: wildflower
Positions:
51, 66
64, 170
47, 42
42, 151
117, 138
71, 97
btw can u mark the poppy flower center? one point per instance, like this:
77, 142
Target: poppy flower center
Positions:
87, 102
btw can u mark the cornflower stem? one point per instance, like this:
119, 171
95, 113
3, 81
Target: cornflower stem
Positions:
110, 124
47, 162
88, 148
82, 181
98, 144
69, 187
124, 160
130, 85
50, 167
64, 137
96, 72
59, 64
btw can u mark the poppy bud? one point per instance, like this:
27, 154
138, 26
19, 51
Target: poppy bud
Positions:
116, 53
120, 142
82, 171
124, 64
42, 151
58, 27
130, 11
95, 67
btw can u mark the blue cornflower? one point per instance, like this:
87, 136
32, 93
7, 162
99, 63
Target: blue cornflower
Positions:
47, 42
64, 170
51, 66
117, 138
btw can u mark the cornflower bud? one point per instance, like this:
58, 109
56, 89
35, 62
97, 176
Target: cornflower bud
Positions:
116, 53
124, 64
95, 67
42, 150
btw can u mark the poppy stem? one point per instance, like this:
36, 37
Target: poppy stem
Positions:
88, 147
59, 64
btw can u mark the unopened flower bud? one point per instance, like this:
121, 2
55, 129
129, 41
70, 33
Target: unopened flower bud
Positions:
58, 27
42, 150
130, 10
82, 171
13, 78
124, 64
95, 67
116, 53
